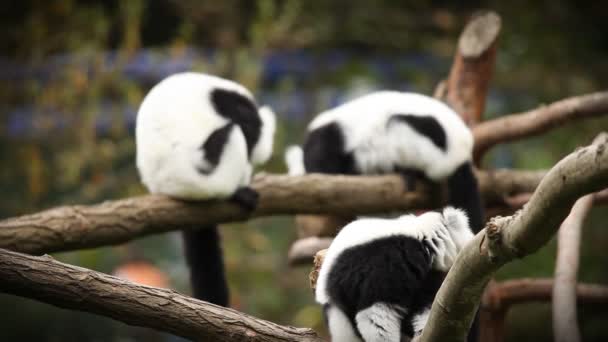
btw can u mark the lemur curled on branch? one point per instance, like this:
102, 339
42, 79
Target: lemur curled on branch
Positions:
197, 138
391, 132
380, 276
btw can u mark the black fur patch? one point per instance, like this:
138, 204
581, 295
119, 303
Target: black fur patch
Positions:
213, 147
410, 176
395, 270
240, 110
324, 152
425, 125
463, 193
204, 257
246, 197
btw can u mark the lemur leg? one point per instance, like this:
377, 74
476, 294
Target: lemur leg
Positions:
410, 177
339, 325
379, 323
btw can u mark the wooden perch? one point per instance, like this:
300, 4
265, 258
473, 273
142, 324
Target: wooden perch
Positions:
516, 126
76, 288
113, 222
506, 238
467, 85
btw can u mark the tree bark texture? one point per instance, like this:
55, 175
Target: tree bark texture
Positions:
113, 222
76, 288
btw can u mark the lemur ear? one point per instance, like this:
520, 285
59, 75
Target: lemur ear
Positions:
455, 219
263, 149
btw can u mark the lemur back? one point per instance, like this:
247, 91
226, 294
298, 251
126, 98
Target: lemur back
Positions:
379, 276
394, 132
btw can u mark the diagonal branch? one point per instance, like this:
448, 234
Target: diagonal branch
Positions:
77, 288
516, 126
507, 238
114, 222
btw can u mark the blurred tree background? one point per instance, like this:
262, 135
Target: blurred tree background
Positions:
72, 74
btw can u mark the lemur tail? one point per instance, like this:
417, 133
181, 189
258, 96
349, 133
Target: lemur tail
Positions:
294, 158
205, 260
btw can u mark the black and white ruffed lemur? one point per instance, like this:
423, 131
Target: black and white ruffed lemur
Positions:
391, 132
379, 276
197, 138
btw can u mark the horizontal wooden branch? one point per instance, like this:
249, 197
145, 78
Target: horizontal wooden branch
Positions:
71, 287
506, 238
113, 222
501, 295
516, 126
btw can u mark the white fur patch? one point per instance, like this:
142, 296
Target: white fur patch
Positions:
174, 120
430, 226
419, 321
379, 323
263, 149
378, 148
458, 222
339, 325
294, 159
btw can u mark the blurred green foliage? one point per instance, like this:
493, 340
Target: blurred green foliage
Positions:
548, 50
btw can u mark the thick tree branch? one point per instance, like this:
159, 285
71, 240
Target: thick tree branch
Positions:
506, 238
76, 227
516, 126
76, 288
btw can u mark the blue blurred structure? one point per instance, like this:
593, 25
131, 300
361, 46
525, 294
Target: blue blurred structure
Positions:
304, 70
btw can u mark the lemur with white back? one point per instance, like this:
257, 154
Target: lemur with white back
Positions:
418, 137
394, 132
198, 137
379, 276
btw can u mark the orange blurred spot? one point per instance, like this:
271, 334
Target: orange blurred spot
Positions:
143, 273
